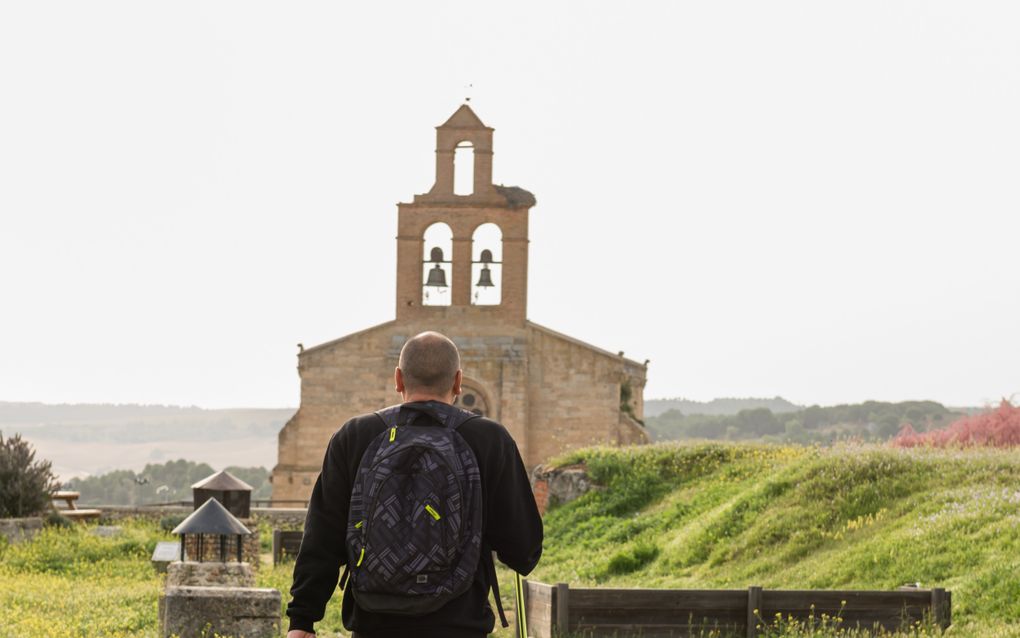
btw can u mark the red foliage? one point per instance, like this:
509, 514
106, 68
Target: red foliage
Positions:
995, 428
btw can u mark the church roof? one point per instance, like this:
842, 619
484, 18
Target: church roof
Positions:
585, 344
464, 117
353, 335
530, 324
222, 482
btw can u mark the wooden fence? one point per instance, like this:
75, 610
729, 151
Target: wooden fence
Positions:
558, 610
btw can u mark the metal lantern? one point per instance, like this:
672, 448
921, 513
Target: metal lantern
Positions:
212, 520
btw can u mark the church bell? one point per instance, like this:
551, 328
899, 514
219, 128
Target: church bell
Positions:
437, 277
484, 278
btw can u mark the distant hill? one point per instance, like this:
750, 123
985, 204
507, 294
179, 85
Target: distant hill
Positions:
727, 406
123, 423
88, 439
160, 483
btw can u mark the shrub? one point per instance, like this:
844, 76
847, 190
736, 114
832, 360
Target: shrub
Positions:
169, 522
25, 483
995, 428
56, 519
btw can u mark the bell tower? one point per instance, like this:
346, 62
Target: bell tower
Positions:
462, 247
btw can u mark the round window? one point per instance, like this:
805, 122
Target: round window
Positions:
472, 400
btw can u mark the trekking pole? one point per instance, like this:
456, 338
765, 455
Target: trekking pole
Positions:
522, 616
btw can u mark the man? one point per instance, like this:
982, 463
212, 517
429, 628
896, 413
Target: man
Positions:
428, 378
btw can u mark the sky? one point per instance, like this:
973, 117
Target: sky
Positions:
816, 200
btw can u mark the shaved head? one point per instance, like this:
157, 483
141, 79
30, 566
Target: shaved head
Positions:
429, 362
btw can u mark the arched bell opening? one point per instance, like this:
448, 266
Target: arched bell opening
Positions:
437, 269
464, 169
487, 265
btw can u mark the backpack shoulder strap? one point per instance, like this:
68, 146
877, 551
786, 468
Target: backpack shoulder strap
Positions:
461, 418
490, 573
389, 415
442, 414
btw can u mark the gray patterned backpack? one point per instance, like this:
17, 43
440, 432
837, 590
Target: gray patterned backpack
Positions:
414, 533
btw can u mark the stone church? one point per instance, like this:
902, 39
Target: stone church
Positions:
462, 269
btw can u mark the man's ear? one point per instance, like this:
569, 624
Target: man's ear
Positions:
398, 380
457, 379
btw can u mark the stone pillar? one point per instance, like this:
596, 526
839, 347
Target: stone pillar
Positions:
195, 574
461, 271
234, 612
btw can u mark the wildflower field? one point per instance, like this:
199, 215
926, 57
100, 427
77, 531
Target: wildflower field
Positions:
692, 516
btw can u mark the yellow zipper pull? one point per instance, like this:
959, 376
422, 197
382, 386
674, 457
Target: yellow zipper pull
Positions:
393, 434
361, 558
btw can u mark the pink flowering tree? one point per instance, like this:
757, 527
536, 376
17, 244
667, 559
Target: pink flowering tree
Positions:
996, 428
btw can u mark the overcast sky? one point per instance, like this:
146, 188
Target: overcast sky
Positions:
811, 199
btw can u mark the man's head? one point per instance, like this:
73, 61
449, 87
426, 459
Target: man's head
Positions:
429, 368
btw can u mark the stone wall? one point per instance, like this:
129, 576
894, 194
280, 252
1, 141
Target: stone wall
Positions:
16, 530
556, 486
277, 517
155, 513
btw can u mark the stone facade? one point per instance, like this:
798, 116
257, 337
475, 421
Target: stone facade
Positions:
552, 392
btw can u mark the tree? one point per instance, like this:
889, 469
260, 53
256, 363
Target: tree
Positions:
994, 428
26, 485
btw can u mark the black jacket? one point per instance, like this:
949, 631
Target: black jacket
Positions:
511, 527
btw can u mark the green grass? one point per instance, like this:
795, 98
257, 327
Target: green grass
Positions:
689, 516
69, 583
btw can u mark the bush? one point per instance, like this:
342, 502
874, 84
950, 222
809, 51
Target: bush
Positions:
56, 519
25, 484
995, 428
170, 522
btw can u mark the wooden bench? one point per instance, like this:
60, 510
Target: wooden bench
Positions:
557, 610
285, 543
71, 511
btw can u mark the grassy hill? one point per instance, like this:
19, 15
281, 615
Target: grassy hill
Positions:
731, 515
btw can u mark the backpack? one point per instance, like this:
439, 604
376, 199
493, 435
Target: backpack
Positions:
414, 532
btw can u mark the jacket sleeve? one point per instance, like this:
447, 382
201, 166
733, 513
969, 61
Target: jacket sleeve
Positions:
317, 568
514, 529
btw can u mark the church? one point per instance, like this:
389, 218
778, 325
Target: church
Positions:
462, 269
